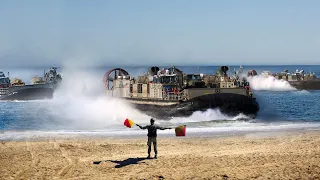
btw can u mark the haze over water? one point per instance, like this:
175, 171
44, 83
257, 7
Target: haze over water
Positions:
81, 106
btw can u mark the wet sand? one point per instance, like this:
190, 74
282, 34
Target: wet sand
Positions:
294, 155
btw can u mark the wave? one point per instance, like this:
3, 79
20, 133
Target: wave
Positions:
303, 92
209, 115
252, 130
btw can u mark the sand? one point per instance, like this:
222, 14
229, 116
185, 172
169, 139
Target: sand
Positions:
252, 156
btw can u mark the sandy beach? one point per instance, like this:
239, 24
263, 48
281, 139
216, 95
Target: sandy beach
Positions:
294, 155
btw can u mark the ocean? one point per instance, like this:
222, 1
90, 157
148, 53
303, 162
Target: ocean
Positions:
81, 108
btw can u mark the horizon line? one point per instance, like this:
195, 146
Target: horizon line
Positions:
195, 65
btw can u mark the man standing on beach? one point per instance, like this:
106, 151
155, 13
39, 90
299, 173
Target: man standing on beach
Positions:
152, 136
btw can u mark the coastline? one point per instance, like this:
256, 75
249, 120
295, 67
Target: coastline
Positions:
259, 155
120, 132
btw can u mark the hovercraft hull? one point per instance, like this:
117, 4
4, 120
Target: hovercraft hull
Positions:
228, 103
306, 85
35, 93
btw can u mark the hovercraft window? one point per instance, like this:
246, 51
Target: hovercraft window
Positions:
139, 88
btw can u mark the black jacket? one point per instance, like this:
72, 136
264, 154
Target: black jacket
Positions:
152, 129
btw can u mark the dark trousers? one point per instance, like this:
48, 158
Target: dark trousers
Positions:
152, 140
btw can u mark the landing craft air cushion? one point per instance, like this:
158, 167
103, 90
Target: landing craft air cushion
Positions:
41, 88
169, 93
298, 79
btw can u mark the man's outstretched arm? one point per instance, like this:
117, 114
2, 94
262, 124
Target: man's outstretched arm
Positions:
142, 127
163, 128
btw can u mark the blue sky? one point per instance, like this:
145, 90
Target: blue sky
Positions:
141, 32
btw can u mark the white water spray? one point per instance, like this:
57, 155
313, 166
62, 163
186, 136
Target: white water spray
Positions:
270, 83
208, 115
81, 100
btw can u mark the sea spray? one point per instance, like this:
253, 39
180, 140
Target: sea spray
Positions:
81, 101
302, 92
208, 115
270, 83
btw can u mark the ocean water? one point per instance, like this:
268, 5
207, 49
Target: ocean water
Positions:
81, 107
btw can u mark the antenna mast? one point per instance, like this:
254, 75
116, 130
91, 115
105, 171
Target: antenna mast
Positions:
197, 69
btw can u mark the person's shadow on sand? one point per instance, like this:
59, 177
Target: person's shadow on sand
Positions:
124, 162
